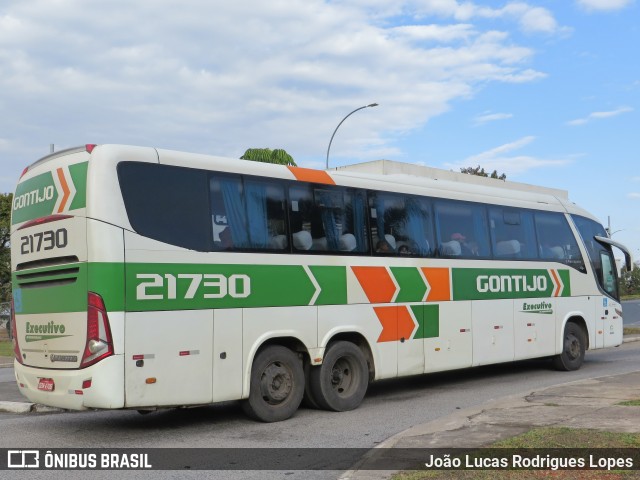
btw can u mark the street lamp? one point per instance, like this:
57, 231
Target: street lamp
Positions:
334, 132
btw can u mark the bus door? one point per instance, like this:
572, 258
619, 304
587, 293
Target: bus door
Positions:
611, 313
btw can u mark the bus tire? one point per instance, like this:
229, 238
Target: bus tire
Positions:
308, 400
573, 348
276, 386
340, 383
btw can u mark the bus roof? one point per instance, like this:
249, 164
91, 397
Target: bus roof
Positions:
400, 169
380, 174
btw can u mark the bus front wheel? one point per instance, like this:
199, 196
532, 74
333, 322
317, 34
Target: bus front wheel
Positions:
341, 382
573, 348
277, 385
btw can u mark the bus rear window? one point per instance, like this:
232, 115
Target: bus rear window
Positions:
167, 203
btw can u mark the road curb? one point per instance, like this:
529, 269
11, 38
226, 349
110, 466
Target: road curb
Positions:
15, 407
26, 407
462, 423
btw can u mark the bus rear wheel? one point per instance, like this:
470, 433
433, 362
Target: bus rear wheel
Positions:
341, 382
277, 385
573, 348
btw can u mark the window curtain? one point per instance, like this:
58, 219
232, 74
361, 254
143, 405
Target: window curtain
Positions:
479, 230
256, 196
328, 217
529, 235
415, 226
235, 211
379, 206
359, 221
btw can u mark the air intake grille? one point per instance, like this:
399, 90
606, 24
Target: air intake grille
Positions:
48, 272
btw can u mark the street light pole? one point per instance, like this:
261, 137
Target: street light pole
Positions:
608, 229
334, 132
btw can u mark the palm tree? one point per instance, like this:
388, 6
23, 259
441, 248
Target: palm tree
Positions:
267, 155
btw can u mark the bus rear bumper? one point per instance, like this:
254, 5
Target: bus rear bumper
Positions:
98, 386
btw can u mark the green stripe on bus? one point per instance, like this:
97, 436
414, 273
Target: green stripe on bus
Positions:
49, 297
428, 317
333, 284
497, 283
565, 278
169, 286
37, 196
107, 280
34, 198
411, 283
78, 173
187, 287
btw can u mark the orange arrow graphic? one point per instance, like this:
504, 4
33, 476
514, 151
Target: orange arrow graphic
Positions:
311, 175
557, 282
438, 279
388, 317
397, 323
65, 189
376, 283
406, 324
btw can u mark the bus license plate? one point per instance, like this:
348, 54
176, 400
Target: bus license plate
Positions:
46, 385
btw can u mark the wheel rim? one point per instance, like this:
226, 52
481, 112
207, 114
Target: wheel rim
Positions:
276, 383
572, 347
344, 377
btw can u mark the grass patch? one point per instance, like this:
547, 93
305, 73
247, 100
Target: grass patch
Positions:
6, 348
564, 437
631, 403
548, 437
631, 331
635, 296
519, 475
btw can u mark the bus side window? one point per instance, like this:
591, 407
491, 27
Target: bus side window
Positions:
556, 241
512, 233
327, 219
247, 213
463, 225
400, 224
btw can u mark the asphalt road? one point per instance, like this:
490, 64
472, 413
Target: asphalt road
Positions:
631, 311
6, 375
390, 407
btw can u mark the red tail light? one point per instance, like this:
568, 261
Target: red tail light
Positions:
47, 219
99, 342
14, 334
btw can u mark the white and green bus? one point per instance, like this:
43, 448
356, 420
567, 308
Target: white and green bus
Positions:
147, 278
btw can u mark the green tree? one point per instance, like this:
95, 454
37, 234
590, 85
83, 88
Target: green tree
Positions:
267, 155
481, 173
630, 281
6, 200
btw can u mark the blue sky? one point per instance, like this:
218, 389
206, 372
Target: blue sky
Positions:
547, 91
